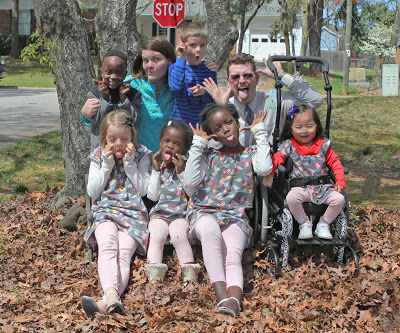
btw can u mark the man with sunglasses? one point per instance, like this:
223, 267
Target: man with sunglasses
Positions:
242, 79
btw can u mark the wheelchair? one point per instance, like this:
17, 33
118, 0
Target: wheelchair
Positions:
272, 222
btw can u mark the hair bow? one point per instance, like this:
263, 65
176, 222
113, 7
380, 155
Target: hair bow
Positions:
292, 111
129, 122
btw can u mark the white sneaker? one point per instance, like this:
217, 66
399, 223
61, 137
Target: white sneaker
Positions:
322, 230
305, 231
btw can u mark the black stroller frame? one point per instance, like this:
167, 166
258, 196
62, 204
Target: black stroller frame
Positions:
272, 208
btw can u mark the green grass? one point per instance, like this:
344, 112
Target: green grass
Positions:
365, 133
31, 165
27, 74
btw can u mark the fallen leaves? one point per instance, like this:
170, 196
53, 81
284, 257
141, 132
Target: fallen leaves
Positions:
45, 271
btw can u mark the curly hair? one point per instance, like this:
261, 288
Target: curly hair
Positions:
210, 109
116, 118
287, 129
180, 125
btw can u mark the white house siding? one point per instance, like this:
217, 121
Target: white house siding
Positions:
258, 42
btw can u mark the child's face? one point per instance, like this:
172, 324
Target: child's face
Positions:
304, 128
155, 65
117, 139
113, 71
196, 49
172, 143
226, 128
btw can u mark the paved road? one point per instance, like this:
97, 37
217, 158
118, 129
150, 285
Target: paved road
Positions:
27, 112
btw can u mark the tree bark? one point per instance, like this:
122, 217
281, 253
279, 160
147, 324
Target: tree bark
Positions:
304, 37
14, 52
315, 28
60, 22
116, 27
222, 33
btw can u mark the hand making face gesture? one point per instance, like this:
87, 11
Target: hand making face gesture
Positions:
179, 163
103, 89
220, 97
130, 149
197, 90
156, 161
108, 150
200, 132
123, 90
257, 119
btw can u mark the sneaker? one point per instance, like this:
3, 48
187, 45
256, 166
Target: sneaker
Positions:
305, 231
322, 231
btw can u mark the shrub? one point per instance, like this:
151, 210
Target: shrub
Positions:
5, 43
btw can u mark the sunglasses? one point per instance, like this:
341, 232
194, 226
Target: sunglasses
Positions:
246, 76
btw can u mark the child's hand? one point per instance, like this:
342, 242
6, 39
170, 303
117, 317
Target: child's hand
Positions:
156, 161
90, 108
257, 119
108, 150
220, 97
268, 180
103, 89
211, 65
199, 132
123, 90
130, 149
179, 163
181, 50
340, 189
197, 90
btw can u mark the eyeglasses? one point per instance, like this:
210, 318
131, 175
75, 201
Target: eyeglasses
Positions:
307, 128
246, 76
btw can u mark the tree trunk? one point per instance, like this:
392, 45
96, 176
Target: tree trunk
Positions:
14, 52
116, 27
242, 31
60, 21
222, 33
315, 28
304, 37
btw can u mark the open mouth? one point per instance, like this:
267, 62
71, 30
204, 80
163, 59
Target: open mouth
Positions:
167, 156
243, 92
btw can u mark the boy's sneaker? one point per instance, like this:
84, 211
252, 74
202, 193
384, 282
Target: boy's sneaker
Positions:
305, 231
322, 230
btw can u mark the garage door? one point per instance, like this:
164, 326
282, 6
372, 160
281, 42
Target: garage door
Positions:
262, 45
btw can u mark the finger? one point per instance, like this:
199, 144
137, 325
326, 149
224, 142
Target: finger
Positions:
191, 126
97, 81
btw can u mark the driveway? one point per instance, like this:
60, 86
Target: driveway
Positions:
27, 112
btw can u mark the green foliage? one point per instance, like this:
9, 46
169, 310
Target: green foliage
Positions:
4, 245
312, 323
39, 49
17, 293
378, 229
5, 43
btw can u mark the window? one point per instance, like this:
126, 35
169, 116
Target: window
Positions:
162, 32
264, 40
254, 40
273, 40
282, 40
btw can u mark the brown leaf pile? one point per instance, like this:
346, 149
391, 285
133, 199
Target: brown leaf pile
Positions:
45, 271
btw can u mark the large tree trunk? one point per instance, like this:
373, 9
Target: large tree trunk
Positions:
116, 27
222, 33
315, 28
14, 52
60, 22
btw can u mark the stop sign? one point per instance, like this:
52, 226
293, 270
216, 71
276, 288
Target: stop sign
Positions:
168, 13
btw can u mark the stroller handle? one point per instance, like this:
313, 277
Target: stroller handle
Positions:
273, 58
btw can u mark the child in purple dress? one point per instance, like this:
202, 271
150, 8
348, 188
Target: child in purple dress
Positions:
224, 189
118, 178
168, 216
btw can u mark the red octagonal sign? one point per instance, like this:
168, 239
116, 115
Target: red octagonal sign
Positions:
168, 13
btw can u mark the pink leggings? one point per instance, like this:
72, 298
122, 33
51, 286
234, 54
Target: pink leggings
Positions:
222, 248
116, 249
298, 195
178, 230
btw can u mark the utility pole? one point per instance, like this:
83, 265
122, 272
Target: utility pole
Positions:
347, 44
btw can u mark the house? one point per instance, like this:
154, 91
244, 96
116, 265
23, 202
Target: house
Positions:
329, 40
257, 39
